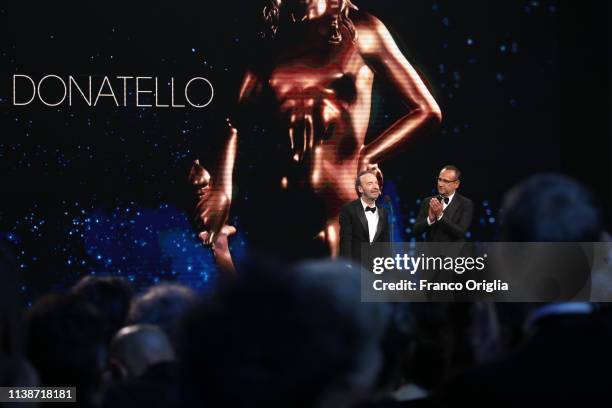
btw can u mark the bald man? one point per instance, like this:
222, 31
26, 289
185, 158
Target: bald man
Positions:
143, 359
136, 348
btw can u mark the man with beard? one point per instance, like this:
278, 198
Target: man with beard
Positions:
364, 228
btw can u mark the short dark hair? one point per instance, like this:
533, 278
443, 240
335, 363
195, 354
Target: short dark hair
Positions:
453, 168
163, 305
313, 308
111, 296
65, 342
358, 179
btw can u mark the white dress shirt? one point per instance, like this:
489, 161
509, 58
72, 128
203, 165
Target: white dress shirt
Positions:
372, 218
444, 205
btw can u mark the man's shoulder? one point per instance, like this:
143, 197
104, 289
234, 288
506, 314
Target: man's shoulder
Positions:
382, 211
349, 205
463, 198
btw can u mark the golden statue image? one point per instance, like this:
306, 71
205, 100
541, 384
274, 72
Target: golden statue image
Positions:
314, 78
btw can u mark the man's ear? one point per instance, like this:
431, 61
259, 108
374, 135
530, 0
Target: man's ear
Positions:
360, 189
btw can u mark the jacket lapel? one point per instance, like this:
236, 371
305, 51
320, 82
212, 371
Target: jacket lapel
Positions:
453, 206
361, 215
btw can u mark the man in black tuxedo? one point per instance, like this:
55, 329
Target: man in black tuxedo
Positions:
363, 222
446, 217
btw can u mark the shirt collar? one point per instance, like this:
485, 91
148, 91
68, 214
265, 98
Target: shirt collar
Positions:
364, 205
450, 197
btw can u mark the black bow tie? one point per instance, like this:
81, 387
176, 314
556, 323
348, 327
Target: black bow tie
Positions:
442, 198
373, 209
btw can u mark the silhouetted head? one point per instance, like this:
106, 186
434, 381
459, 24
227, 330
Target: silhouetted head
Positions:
162, 305
15, 371
66, 344
550, 208
136, 348
111, 296
298, 337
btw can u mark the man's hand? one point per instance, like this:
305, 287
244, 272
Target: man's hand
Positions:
212, 208
435, 207
431, 215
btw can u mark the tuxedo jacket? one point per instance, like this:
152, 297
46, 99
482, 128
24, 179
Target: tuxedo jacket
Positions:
354, 234
452, 226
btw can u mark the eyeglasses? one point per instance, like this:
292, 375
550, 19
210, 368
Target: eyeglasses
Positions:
445, 181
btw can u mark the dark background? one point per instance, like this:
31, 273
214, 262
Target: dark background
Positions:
523, 86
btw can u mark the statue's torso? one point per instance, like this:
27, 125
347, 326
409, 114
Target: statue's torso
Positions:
322, 93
